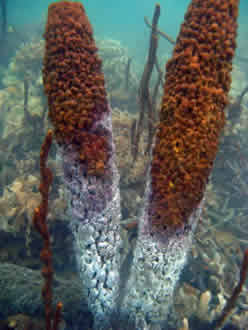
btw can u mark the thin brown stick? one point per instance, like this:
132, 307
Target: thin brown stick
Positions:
127, 73
40, 223
240, 97
151, 121
159, 82
27, 116
132, 132
242, 59
152, 115
235, 108
161, 33
144, 97
219, 322
3, 6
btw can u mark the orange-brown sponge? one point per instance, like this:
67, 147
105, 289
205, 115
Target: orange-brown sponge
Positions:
74, 85
192, 114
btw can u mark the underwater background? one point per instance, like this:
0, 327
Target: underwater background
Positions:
119, 20
214, 263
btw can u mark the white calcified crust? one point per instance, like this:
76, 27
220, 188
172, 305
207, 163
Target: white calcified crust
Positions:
94, 209
156, 268
97, 244
94, 206
89, 195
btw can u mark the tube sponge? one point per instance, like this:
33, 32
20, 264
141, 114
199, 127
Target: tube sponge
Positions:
197, 82
81, 116
74, 85
196, 86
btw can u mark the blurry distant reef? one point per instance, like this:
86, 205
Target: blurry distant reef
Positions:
12, 38
222, 233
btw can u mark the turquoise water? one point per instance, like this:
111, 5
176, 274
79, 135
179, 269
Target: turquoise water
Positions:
120, 20
214, 262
